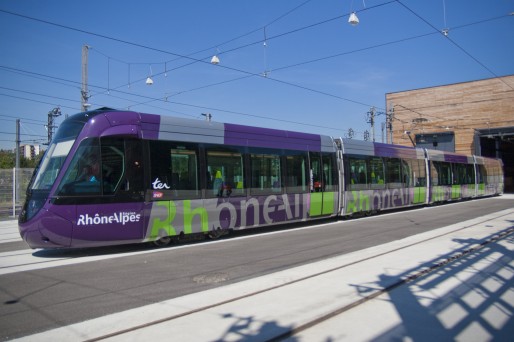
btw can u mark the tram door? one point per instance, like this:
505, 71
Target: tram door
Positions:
323, 180
114, 212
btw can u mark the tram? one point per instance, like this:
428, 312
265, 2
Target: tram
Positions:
116, 177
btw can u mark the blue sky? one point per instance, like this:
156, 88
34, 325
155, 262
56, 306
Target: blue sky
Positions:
323, 74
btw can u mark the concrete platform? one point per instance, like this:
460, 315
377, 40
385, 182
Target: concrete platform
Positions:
469, 298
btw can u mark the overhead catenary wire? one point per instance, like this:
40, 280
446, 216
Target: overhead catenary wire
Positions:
212, 109
333, 56
192, 60
77, 84
25, 119
455, 44
324, 58
37, 101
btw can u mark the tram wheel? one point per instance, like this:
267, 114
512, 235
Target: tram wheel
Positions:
217, 233
163, 241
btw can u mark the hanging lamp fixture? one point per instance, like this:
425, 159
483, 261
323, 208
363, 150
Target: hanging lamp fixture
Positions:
149, 80
353, 20
215, 60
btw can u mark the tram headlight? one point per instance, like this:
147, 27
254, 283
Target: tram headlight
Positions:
30, 209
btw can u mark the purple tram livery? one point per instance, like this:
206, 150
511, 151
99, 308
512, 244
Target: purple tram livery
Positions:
116, 177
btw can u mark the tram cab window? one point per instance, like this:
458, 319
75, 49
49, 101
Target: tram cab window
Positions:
266, 173
96, 168
174, 169
296, 172
224, 172
83, 174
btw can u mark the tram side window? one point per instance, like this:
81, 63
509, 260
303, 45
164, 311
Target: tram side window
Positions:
316, 181
417, 167
224, 173
434, 174
184, 171
493, 174
444, 173
358, 173
376, 172
174, 169
393, 173
489, 174
457, 173
480, 173
330, 176
498, 174
407, 176
296, 174
470, 174
266, 174
463, 174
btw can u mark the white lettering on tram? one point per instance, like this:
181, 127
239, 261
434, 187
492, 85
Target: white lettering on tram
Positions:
121, 217
158, 185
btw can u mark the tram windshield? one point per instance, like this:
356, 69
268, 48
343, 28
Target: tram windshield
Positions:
57, 152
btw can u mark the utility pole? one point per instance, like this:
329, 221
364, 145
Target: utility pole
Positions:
18, 143
389, 122
351, 133
16, 185
366, 135
370, 118
84, 92
51, 115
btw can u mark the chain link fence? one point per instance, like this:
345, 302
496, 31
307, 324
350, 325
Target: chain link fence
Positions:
13, 186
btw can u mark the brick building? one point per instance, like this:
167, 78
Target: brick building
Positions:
472, 118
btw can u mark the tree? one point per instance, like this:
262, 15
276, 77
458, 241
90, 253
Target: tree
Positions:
7, 159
